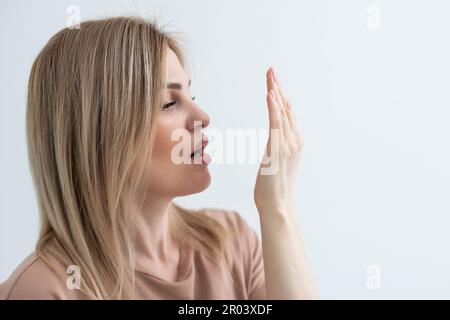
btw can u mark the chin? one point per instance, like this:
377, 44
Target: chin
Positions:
197, 184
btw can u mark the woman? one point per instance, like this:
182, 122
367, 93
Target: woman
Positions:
103, 102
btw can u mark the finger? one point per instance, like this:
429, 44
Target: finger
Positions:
290, 131
275, 118
271, 84
292, 119
297, 137
274, 85
274, 111
269, 81
272, 102
278, 89
287, 130
288, 110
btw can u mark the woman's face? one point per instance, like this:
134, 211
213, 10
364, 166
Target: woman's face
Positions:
183, 120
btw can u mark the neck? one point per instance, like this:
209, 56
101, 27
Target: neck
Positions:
153, 238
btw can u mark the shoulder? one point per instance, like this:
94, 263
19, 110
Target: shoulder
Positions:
231, 220
35, 279
247, 251
244, 237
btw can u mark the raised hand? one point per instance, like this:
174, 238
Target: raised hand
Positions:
287, 272
275, 181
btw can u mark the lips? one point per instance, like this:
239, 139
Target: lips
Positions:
201, 146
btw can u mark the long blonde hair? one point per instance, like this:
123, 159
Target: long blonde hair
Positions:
94, 94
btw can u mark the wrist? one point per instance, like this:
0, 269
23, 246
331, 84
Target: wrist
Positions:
280, 208
280, 213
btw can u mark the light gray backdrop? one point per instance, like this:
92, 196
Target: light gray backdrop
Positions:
369, 82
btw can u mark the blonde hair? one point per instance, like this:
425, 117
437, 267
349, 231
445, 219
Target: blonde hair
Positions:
94, 94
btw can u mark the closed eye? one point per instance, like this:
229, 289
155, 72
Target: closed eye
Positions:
172, 103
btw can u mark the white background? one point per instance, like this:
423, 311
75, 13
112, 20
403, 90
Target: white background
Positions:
369, 82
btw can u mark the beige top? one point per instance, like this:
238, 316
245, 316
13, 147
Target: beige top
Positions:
199, 278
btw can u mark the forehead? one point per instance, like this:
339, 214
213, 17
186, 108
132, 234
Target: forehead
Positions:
175, 70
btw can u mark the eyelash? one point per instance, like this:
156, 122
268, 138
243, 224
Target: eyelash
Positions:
168, 105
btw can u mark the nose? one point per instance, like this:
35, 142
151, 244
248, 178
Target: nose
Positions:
197, 117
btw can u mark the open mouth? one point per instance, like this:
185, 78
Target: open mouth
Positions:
199, 156
197, 153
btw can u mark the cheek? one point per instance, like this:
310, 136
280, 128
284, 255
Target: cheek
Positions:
167, 177
163, 145
162, 171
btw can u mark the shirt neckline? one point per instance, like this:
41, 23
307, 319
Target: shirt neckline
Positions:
186, 261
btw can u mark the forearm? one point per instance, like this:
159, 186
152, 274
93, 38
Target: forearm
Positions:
287, 272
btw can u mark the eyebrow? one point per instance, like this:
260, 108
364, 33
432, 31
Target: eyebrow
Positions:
176, 85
